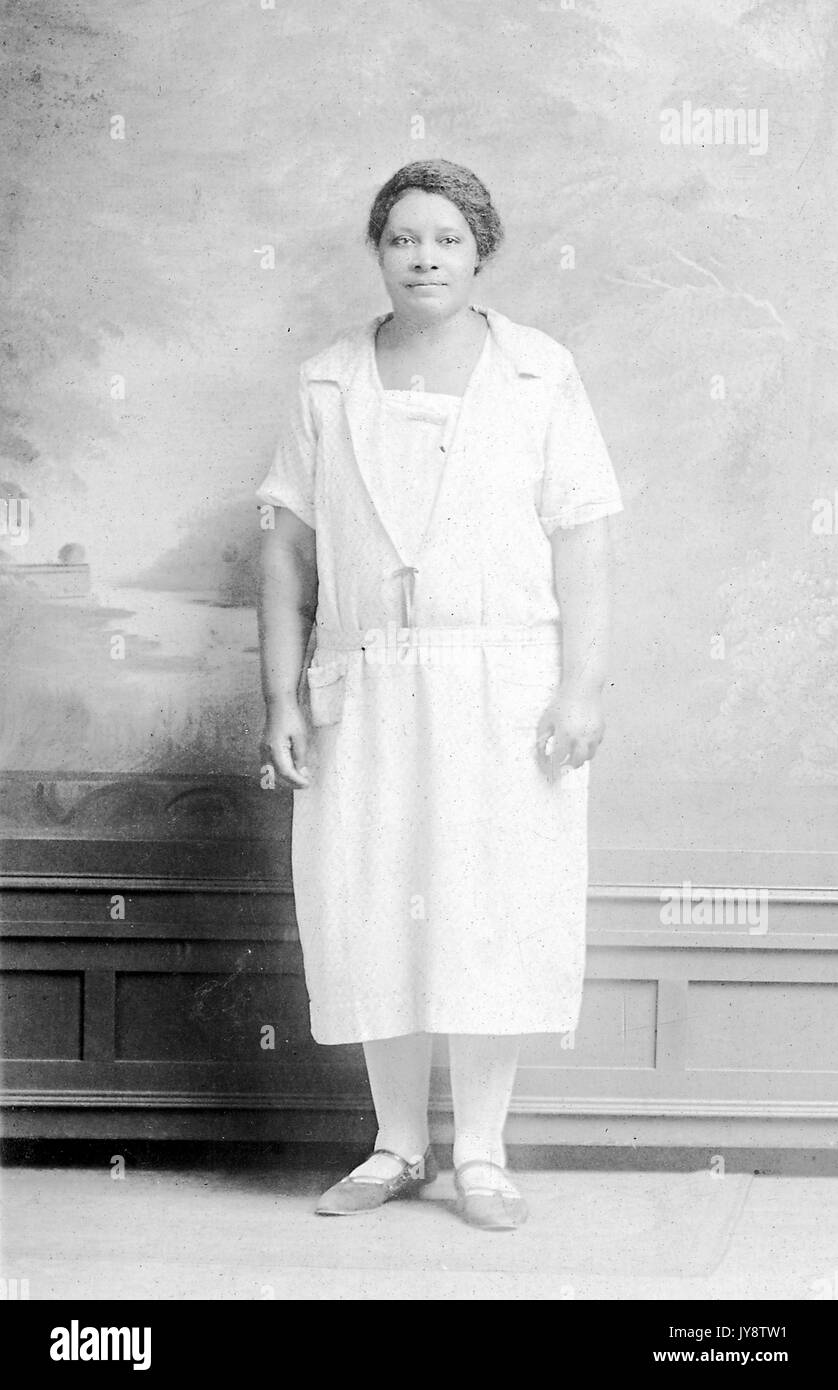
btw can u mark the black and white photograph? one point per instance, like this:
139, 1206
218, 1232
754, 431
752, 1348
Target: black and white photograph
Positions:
419, 701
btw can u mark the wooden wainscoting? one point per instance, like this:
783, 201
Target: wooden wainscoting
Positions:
152, 987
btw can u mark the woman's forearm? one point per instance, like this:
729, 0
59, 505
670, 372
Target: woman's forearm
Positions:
582, 572
287, 605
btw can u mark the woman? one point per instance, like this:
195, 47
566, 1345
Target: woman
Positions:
440, 492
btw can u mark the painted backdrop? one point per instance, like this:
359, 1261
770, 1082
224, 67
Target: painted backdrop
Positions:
186, 192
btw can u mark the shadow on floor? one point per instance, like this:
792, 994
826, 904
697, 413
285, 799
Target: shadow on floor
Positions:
326, 1158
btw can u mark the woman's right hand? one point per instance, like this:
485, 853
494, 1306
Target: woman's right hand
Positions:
284, 744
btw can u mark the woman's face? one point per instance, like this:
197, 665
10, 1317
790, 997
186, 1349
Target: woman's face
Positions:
428, 256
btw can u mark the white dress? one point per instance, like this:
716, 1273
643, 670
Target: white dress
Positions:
440, 867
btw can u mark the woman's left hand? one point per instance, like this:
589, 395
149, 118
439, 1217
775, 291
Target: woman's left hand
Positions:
571, 728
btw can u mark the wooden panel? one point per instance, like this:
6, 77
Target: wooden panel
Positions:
757, 868
149, 1022
670, 1043
157, 956
616, 1029
752, 1026
40, 1014
554, 1127
98, 1016
634, 915
317, 1076
179, 1017
155, 915
258, 865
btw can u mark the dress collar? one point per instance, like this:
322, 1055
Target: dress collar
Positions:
341, 361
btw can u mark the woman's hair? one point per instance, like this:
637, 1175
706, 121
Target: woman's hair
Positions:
452, 181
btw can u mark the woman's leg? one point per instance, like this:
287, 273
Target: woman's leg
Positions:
482, 1076
399, 1071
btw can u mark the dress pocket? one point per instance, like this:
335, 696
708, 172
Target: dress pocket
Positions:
327, 691
524, 682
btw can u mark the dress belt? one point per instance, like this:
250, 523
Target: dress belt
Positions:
348, 639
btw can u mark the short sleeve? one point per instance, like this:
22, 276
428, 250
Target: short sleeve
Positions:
290, 480
578, 484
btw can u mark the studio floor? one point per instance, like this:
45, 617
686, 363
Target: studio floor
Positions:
230, 1225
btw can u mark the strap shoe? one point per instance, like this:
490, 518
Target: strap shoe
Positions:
490, 1208
362, 1192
